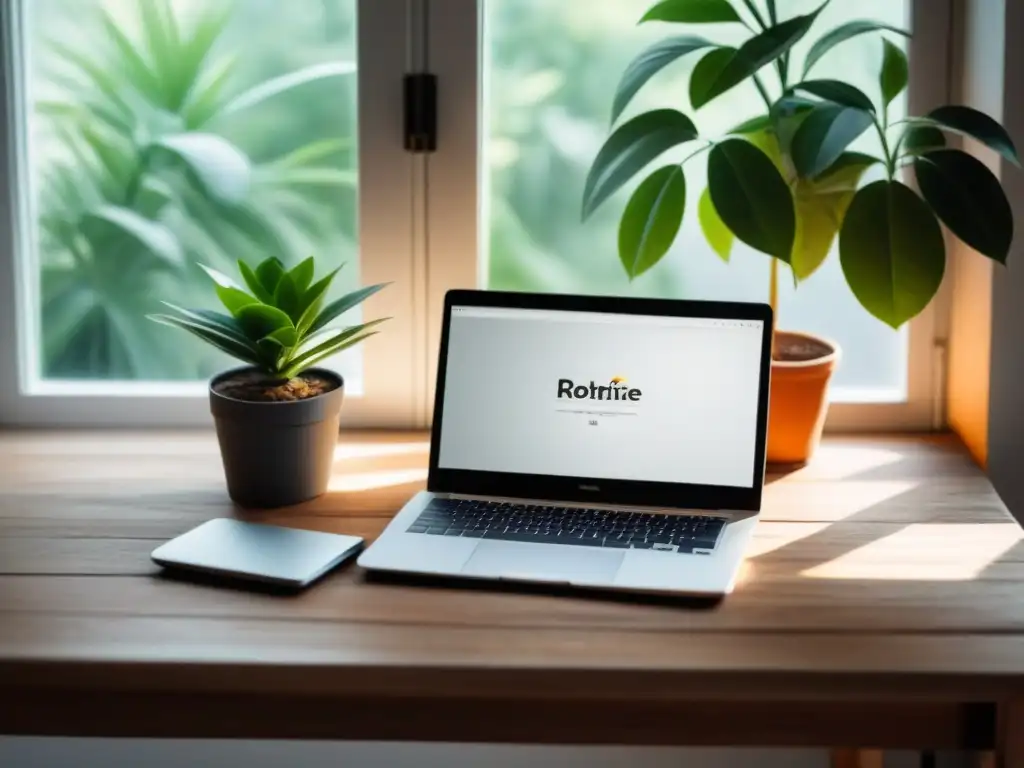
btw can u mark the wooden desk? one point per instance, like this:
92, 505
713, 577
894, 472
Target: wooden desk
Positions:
882, 606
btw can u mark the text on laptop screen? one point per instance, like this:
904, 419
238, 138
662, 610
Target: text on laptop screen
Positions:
595, 395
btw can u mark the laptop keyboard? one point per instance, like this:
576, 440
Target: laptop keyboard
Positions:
609, 528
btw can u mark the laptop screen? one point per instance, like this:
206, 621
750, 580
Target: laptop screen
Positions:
600, 395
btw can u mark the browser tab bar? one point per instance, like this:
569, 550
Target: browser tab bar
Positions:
604, 317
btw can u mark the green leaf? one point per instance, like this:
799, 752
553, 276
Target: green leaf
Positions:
843, 33
154, 196
287, 297
254, 283
117, 157
153, 236
133, 63
215, 322
305, 176
271, 353
230, 295
819, 216
302, 274
754, 54
234, 299
270, 88
161, 38
787, 115
108, 83
286, 337
837, 92
719, 236
221, 342
768, 143
773, 14
752, 198
845, 173
630, 148
312, 300
207, 30
692, 12
259, 320
269, 273
342, 305
220, 166
331, 346
205, 97
922, 138
895, 72
651, 220
706, 74
315, 150
977, 125
821, 206
969, 199
219, 277
649, 63
892, 252
824, 135
753, 125
296, 369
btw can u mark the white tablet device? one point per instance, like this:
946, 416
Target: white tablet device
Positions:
257, 552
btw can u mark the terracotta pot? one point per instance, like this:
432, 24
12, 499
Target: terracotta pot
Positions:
802, 366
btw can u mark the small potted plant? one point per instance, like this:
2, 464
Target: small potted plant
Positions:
785, 182
277, 417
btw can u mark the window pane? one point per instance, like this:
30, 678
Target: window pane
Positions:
550, 72
169, 133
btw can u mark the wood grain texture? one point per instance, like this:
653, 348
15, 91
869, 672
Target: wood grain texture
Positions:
1009, 751
880, 607
857, 758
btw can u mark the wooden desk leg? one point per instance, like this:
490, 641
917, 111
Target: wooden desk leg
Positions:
857, 758
1010, 735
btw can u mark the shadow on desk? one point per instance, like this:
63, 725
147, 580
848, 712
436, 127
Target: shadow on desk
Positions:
548, 590
367, 579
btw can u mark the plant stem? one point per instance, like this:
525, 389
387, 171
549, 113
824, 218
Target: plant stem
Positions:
890, 160
692, 155
763, 91
755, 13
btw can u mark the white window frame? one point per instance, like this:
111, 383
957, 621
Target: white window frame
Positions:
454, 236
393, 361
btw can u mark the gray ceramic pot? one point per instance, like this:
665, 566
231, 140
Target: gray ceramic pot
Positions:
276, 454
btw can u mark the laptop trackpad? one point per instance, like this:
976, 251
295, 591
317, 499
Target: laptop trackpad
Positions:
543, 562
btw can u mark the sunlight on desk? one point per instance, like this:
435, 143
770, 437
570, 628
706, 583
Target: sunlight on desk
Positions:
769, 539
821, 500
839, 462
366, 450
368, 481
925, 552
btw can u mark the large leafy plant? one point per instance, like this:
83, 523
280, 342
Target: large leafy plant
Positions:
785, 182
280, 325
145, 181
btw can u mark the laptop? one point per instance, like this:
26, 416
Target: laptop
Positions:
594, 442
